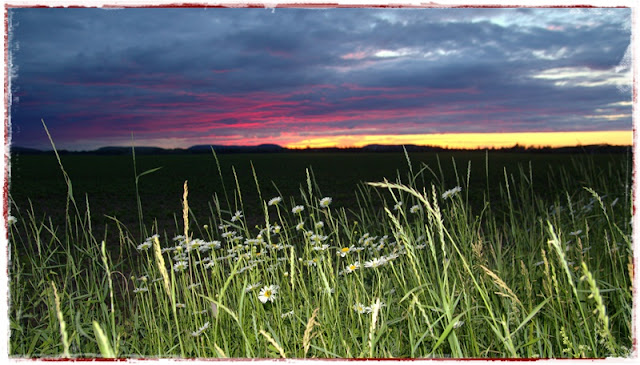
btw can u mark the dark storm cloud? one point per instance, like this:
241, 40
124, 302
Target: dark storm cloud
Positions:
115, 72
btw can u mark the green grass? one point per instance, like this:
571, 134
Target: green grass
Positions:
526, 260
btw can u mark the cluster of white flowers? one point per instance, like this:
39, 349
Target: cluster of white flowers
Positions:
367, 239
254, 241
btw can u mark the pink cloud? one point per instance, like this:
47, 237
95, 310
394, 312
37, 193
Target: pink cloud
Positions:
354, 56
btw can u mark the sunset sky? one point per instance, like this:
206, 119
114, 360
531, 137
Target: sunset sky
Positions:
467, 77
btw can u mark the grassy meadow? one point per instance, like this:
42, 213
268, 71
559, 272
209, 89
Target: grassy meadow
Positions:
312, 255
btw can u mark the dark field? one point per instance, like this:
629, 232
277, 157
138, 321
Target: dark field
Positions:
531, 257
109, 181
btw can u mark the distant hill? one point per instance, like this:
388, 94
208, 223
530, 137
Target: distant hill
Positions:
24, 150
274, 148
110, 150
237, 149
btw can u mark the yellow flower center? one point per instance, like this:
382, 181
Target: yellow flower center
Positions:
345, 249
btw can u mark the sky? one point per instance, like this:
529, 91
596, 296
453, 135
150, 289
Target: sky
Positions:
457, 77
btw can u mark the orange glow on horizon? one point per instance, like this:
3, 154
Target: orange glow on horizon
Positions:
473, 140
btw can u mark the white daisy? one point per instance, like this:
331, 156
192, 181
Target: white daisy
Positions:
319, 225
415, 209
180, 266
376, 262
345, 250
397, 206
300, 226
144, 246
451, 192
361, 308
275, 201
268, 293
324, 202
297, 209
13, 220
229, 234
236, 216
213, 244
352, 267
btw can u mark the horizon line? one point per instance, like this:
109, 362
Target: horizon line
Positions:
467, 141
